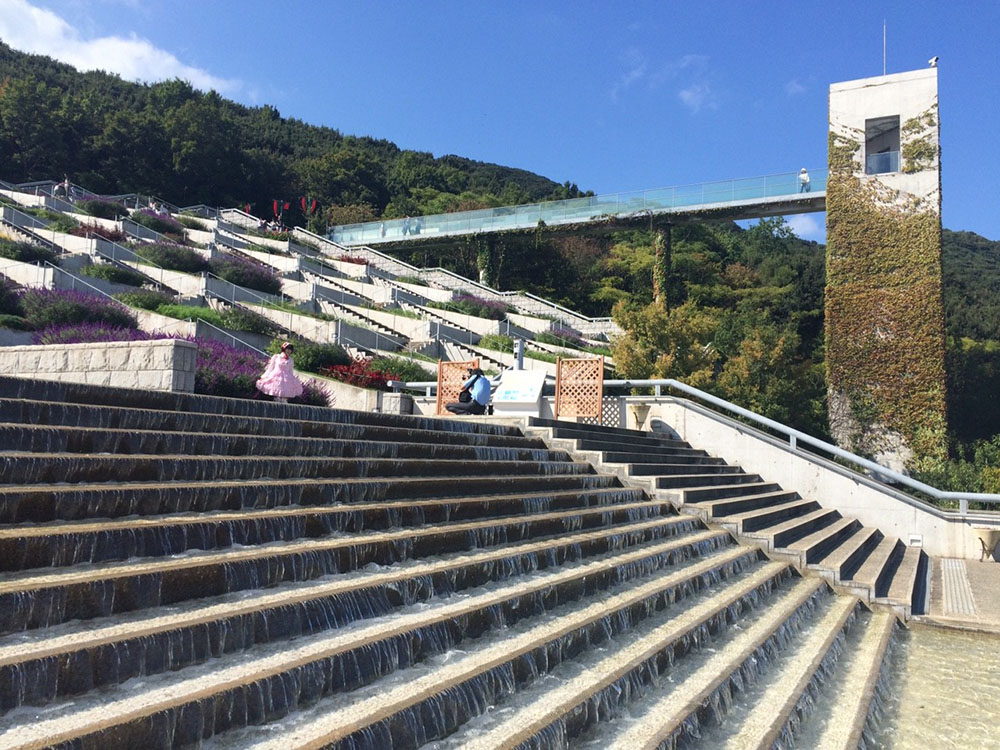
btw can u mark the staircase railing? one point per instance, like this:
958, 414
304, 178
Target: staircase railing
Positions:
794, 438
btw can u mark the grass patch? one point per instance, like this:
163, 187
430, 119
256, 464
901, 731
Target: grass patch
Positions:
115, 274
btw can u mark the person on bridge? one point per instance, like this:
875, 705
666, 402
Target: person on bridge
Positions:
803, 181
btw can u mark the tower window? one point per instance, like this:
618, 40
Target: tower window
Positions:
882, 145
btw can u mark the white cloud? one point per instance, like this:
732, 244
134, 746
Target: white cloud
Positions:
30, 29
697, 96
807, 226
636, 70
794, 87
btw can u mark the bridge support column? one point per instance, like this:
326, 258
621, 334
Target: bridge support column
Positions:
884, 313
661, 265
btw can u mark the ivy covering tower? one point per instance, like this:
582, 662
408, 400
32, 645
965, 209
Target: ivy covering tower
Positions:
885, 339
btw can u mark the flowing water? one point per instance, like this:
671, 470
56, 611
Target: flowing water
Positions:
944, 692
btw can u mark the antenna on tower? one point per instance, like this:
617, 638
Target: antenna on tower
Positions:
883, 46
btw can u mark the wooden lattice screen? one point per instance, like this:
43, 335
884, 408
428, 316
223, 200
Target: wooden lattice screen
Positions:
579, 387
451, 375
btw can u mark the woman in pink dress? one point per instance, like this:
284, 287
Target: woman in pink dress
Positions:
279, 378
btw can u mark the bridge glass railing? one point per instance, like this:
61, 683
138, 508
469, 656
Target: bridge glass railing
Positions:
526, 216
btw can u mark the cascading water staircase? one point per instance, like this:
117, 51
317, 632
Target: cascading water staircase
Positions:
856, 558
187, 571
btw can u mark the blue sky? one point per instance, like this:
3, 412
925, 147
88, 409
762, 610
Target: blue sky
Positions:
610, 95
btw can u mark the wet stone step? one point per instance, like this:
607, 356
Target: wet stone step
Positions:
839, 722
42, 503
695, 694
193, 704
77, 393
70, 660
40, 599
492, 671
121, 418
591, 705
62, 467
129, 442
54, 545
781, 701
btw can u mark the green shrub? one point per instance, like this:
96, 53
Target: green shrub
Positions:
15, 322
541, 356
239, 318
190, 222
411, 280
246, 273
102, 209
287, 307
173, 257
162, 223
146, 299
312, 357
402, 368
25, 252
571, 341
183, 312
469, 304
10, 298
62, 223
497, 342
113, 273
398, 311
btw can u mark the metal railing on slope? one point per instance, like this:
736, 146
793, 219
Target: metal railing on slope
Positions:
794, 438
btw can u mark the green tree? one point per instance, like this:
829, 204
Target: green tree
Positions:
659, 343
32, 135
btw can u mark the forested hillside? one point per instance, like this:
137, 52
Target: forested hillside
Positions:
744, 312
191, 147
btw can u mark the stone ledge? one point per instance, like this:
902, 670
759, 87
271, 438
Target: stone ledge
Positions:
159, 365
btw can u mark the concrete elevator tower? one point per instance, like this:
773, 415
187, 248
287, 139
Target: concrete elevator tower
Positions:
884, 316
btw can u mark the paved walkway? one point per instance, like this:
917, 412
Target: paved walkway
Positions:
965, 593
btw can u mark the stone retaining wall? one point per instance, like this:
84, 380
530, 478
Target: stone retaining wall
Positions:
161, 365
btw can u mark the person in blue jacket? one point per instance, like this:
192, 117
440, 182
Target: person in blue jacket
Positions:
478, 388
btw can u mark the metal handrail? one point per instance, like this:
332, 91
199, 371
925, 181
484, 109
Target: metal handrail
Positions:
340, 337
263, 296
230, 335
794, 437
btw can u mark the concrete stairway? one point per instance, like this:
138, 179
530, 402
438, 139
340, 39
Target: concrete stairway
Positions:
187, 571
850, 556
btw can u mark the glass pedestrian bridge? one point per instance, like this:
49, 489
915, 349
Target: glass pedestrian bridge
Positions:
748, 198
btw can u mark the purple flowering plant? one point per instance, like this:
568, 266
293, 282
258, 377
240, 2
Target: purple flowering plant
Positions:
171, 256
46, 307
246, 273
158, 222
220, 369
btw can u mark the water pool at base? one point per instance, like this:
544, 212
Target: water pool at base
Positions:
944, 692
